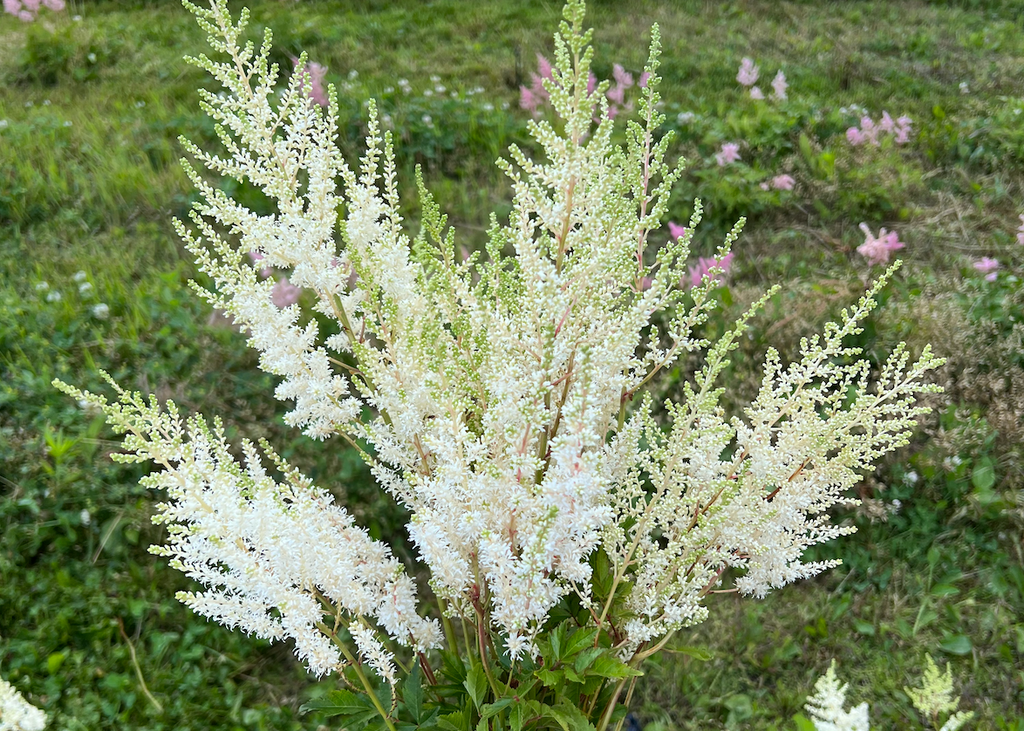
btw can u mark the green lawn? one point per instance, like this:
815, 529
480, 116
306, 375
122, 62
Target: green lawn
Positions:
90, 113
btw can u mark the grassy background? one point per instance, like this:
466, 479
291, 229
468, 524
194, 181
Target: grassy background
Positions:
89, 179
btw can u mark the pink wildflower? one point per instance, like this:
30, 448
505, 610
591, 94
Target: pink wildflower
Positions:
528, 100
729, 153
644, 78
316, 72
854, 136
617, 94
779, 86
591, 83
764, 185
285, 293
878, 249
543, 67
988, 267
704, 266
748, 73
783, 182
675, 230
756, 93
255, 256
1020, 231
887, 124
622, 77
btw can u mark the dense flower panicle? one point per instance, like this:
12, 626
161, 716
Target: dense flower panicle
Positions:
499, 392
729, 153
988, 266
16, 713
827, 710
878, 249
779, 86
748, 72
27, 10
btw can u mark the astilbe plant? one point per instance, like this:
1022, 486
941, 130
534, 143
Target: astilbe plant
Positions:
565, 532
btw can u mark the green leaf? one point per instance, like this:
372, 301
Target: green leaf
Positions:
557, 638
515, 718
453, 722
944, 590
608, 666
339, 703
983, 476
697, 653
865, 628
803, 723
585, 658
493, 709
580, 640
574, 717
956, 644
54, 661
550, 678
476, 684
412, 693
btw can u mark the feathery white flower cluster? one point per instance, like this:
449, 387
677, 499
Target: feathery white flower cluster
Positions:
277, 558
16, 713
498, 393
826, 706
933, 699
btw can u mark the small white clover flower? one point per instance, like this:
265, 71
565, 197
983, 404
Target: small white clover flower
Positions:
80, 276
100, 311
85, 517
42, 286
53, 296
911, 477
85, 288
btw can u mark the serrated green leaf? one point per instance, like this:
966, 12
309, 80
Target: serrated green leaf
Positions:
697, 653
476, 684
493, 709
580, 640
452, 722
585, 658
608, 666
339, 703
574, 717
550, 678
412, 693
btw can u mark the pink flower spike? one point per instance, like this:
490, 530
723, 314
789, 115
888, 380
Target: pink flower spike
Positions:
783, 182
543, 67
675, 230
904, 121
877, 250
284, 294
622, 77
12, 6
987, 266
854, 136
765, 186
55, 5
617, 94
887, 124
779, 86
644, 78
528, 100
316, 72
748, 72
591, 83
729, 153
756, 93
902, 135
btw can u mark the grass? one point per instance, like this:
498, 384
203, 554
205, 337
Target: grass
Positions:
89, 628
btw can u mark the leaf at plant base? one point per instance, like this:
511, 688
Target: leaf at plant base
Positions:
338, 703
453, 722
983, 476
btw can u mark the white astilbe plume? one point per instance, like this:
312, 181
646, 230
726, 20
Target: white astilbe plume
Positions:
826, 706
274, 557
16, 713
500, 395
